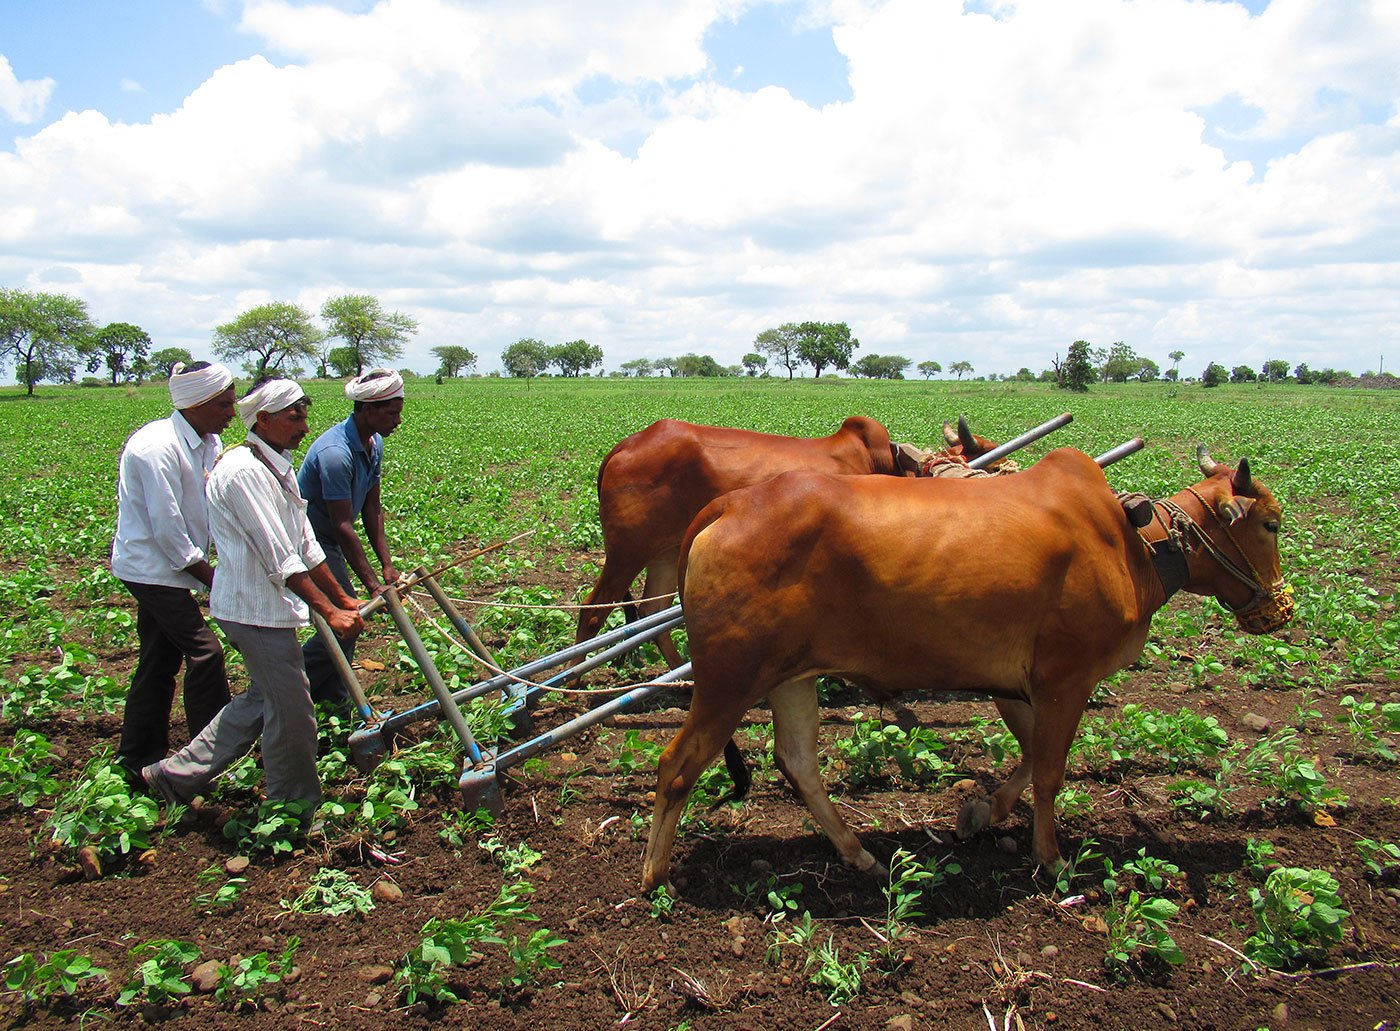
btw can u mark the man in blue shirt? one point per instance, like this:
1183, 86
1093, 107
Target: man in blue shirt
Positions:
339, 479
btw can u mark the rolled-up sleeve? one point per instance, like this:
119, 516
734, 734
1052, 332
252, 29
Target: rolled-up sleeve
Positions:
158, 474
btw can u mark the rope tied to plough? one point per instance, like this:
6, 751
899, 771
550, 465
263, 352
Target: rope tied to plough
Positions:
487, 602
497, 671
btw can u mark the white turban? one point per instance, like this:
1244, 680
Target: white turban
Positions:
375, 385
272, 396
190, 389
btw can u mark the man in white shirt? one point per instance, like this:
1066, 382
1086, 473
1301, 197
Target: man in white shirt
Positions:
161, 554
270, 570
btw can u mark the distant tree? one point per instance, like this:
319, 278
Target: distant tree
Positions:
342, 361
1077, 372
575, 357
526, 357
781, 346
703, 365
1147, 370
1214, 375
1049, 375
166, 358
120, 346
929, 369
959, 368
1170, 375
825, 345
754, 363
639, 367
1121, 363
1176, 357
877, 366
1302, 373
273, 337
40, 333
454, 358
666, 365
1242, 374
1276, 371
361, 321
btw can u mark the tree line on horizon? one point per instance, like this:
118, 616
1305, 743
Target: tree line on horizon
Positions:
48, 336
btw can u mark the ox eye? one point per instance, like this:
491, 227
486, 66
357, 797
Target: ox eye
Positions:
1271, 525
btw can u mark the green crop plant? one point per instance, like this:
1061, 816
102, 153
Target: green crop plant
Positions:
529, 958
1277, 763
1298, 917
660, 903
838, 979
45, 978
512, 859
331, 892
159, 977
1156, 875
222, 898
458, 825
243, 984
636, 755
1368, 721
26, 770
275, 827
422, 972
1381, 858
909, 880
1137, 926
99, 811
873, 748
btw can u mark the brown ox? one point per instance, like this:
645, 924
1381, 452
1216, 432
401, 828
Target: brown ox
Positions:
653, 483
1030, 587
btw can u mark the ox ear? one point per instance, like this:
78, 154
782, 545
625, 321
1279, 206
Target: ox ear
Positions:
965, 437
1232, 510
950, 436
1242, 481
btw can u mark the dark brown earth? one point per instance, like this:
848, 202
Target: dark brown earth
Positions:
996, 947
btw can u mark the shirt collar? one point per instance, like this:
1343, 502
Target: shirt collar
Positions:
186, 432
352, 434
279, 460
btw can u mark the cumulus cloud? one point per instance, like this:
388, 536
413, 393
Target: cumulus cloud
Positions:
1005, 178
22, 101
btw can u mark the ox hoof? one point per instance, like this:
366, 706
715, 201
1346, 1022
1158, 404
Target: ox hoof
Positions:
975, 816
868, 864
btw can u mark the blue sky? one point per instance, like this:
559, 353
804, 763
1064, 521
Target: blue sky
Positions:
984, 181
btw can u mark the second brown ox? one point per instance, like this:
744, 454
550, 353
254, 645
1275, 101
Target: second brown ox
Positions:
653, 483
1031, 587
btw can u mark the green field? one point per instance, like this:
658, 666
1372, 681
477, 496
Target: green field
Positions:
1167, 762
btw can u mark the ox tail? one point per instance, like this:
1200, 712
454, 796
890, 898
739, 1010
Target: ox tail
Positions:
738, 772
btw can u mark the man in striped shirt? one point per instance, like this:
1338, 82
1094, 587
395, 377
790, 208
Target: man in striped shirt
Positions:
270, 571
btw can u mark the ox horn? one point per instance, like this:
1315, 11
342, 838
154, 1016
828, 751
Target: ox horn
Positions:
965, 437
1208, 465
1243, 480
950, 437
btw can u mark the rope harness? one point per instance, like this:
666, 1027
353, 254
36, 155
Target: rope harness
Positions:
1271, 606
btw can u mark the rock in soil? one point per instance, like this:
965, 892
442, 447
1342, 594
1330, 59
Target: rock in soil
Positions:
90, 863
236, 865
386, 891
205, 977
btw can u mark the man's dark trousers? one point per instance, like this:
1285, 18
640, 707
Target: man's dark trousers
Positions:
321, 671
171, 630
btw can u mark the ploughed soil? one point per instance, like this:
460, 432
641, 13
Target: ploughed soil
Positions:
996, 945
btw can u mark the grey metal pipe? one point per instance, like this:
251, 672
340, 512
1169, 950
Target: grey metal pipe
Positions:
1016, 443
501, 680
430, 673
1123, 450
342, 665
450, 611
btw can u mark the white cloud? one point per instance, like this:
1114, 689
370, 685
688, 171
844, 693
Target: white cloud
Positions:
22, 101
996, 187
